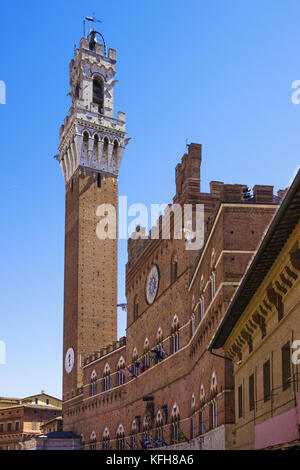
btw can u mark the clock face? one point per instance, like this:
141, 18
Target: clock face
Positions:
69, 360
152, 284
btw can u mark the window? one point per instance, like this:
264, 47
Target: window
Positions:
240, 401
175, 342
120, 443
121, 377
174, 432
106, 382
136, 368
267, 380
214, 414
98, 95
251, 392
286, 366
133, 443
105, 444
202, 311
36, 401
202, 422
105, 440
93, 384
1, 427
213, 284
193, 326
159, 433
193, 427
17, 426
147, 360
93, 445
9, 427
47, 401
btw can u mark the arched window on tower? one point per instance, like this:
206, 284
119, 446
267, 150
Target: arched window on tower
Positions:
115, 156
98, 93
96, 147
105, 154
85, 144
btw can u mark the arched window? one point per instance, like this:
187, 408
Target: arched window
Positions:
106, 440
202, 394
175, 424
121, 376
134, 432
93, 441
105, 153
93, 384
159, 428
85, 144
193, 324
213, 381
120, 437
213, 284
202, 307
135, 367
175, 335
213, 414
98, 93
106, 378
115, 155
96, 147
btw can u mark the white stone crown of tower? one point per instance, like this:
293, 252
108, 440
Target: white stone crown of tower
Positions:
91, 137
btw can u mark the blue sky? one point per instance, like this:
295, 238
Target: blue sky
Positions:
218, 73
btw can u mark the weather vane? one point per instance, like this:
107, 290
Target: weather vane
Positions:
92, 34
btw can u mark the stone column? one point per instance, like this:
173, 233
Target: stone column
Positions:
109, 156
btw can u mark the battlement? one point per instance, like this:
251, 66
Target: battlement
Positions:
105, 351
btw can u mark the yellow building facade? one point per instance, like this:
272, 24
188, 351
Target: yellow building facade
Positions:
260, 334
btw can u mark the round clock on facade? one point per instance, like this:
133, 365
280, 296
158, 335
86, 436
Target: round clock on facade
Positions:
69, 360
152, 284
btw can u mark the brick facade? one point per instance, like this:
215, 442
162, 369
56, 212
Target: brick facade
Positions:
197, 383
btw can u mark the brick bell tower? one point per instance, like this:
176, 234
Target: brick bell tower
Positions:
92, 144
